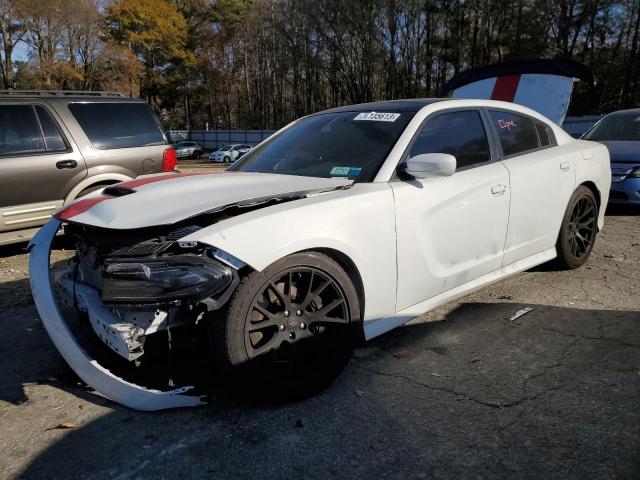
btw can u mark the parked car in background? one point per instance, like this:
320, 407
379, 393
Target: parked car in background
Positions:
188, 149
229, 153
56, 146
620, 132
341, 226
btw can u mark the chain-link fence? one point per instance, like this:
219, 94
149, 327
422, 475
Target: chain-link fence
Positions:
210, 140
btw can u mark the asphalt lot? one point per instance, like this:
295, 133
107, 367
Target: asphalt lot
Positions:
461, 392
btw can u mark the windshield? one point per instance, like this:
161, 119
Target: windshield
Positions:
620, 127
343, 144
224, 148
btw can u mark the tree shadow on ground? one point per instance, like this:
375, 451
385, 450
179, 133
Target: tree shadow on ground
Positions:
553, 394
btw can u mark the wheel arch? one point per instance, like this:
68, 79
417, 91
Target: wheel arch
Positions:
350, 267
93, 181
592, 186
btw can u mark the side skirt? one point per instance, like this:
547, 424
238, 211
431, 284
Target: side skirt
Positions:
373, 328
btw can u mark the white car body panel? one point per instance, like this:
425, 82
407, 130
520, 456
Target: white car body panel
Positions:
358, 222
445, 237
593, 166
414, 244
540, 182
193, 194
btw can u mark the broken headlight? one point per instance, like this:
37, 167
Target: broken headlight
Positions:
161, 280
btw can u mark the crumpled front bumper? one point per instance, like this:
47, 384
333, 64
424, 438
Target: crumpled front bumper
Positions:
88, 369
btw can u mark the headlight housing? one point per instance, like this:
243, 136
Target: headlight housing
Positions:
635, 173
162, 280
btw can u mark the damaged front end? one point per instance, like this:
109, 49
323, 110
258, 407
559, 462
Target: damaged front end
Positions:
128, 288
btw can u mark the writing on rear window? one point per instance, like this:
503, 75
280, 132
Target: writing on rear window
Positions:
378, 117
506, 124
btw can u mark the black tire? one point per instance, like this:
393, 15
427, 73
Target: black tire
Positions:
196, 155
578, 230
226, 159
283, 369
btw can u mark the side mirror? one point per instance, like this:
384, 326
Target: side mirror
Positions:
428, 165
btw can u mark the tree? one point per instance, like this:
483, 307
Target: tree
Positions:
12, 31
157, 34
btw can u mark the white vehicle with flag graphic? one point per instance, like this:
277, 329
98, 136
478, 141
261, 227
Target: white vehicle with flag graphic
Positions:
338, 228
543, 85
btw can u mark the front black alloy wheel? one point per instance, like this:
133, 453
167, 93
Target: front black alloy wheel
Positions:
290, 329
296, 306
579, 228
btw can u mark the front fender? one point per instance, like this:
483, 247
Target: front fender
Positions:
358, 222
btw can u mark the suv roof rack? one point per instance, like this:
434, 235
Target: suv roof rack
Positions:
59, 93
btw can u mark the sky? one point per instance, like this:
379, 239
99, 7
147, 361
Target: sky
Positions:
21, 52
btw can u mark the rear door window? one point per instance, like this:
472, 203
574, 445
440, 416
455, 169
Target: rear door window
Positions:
19, 130
118, 125
545, 134
517, 133
53, 139
459, 133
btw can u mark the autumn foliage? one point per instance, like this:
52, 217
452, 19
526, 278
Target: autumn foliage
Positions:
262, 63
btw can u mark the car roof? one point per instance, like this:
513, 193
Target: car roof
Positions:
629, 111
70, 98
404, 105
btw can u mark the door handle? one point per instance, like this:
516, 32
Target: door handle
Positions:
498, 189
564, 166
66, 164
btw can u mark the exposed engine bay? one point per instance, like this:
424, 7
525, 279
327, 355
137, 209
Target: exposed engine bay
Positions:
133, 291
134, 284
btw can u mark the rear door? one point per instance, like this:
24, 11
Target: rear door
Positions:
542, 179
450, 230
39, 165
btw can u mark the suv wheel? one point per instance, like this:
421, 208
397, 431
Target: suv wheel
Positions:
226, 159
289, 330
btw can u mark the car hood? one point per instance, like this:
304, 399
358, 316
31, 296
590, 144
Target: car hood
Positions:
623, 152
164, 199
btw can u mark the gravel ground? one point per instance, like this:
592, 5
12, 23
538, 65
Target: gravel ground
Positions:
461, 392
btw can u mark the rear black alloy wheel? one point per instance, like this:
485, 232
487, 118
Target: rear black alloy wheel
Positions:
290, 329
579, 228
582, 227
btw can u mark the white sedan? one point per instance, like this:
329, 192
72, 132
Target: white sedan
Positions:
229, 153
339, 227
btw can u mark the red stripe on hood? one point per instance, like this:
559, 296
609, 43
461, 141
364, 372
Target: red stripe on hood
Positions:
138, 182
79, 206
505, 88
82, 205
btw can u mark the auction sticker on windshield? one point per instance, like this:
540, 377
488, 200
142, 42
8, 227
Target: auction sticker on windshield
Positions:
345, 171
378, 117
